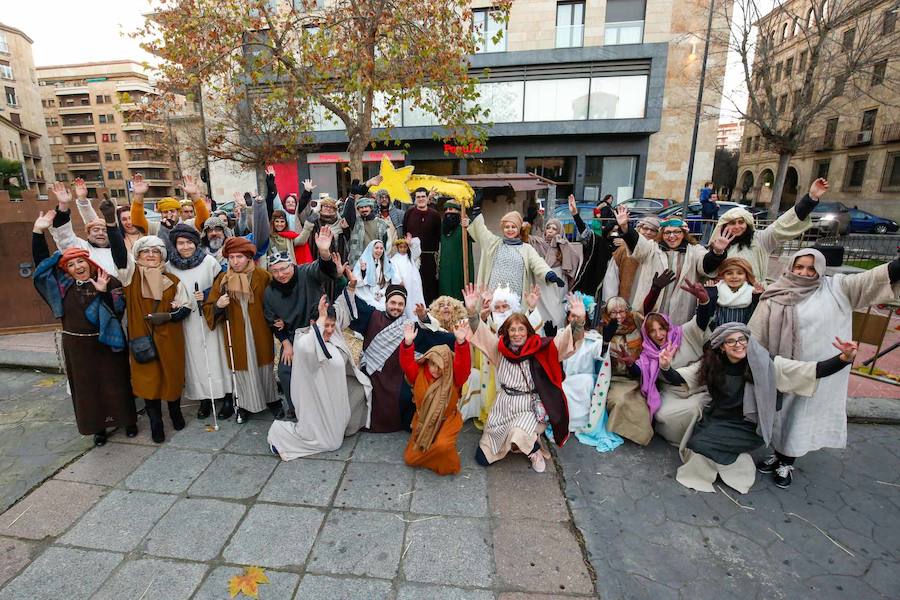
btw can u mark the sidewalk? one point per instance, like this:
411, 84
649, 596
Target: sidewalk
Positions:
137, 520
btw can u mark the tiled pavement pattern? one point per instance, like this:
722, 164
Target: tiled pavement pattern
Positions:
136, 520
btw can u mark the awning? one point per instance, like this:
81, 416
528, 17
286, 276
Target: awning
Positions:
519, 182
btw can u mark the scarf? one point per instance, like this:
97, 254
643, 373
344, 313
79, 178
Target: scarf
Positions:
739, 299
760, 398
237, 283
777, 309
153, 280
450, 223
437, 396
559, 253
183, 264
512, 241
375, 269
649, 362
382, 346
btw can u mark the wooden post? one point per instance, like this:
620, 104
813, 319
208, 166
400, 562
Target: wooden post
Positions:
465, 246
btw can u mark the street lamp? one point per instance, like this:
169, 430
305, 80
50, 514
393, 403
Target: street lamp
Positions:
690, 169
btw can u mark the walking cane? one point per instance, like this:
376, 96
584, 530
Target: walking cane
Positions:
208, 372
234, 392
465, 247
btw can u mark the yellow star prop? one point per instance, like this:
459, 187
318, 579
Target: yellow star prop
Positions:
394, 181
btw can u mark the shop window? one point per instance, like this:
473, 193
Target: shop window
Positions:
560, 170
490, 166
618, 97
440, 168
556, 99
614, 175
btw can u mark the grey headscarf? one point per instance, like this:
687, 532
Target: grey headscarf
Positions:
760, 399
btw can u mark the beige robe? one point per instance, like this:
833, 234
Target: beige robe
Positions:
535, 267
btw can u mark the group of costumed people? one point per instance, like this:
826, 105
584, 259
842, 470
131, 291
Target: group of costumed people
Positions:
360, 312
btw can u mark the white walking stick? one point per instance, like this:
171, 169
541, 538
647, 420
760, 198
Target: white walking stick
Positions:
208, 372
234, 393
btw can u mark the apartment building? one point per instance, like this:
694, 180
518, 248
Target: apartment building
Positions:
23, 135
96, 119
596, 95
729, 135
856, 146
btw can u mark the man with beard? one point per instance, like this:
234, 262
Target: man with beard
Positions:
424, 222
215, 232
365, 227
389, 212
97, 242
291, 300
169, 208
450, 280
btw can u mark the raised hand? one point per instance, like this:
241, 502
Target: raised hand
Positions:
848, 349
818, 189
374, 181
420, 311
576, 308
409, 333
471, 297
44, 221
191, 186
81, 191
323, 308
661, 280
721, 242
102, 281
351, 278
362, 265
139, 187
573, 206
461, 331
308, 185
665, 357
270, 170
759, 287
532, 297
323, 242
696, 290
108, 210
63, 196
622, 215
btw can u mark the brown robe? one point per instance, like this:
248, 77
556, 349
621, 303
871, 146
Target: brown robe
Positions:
163, 378
262, 336
426, 225
628, 268
98, 377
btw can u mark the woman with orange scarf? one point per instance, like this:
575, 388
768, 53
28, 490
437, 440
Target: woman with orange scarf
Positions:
436, 379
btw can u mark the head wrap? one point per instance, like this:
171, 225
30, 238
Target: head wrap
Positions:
364, 202
372, 267
153, 279
274, 257
452, 204
182, 230
382, 194
238, 245
394, 290
95, 223
648, 361
513, 217
777, 309
168, 203
721, 333
739, 263
430, 413
216, 221
146, 243
559, 226
649, 221
737, 213
674, 222
72, 253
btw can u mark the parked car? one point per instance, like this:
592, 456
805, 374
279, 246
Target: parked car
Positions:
865, 222
644, 206
694, 218
830, 218
585, 209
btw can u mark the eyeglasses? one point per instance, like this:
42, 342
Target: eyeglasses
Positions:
647, 228
741, 341
618, 311
674, 233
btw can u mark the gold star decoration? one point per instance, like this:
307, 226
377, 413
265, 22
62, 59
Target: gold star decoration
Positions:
394, 180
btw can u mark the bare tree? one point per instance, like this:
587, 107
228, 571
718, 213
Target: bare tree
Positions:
801, 60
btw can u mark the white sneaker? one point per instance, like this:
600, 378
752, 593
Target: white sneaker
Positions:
537, 461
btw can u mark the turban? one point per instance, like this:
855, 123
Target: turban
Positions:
73, 253
512, 217
674, 222
238, 245
737, 214
558, 223
649, 221
364, 202
723, 331
146, 243
736, 262
452, 204
185, 231
382, 194
168, 203
394, 290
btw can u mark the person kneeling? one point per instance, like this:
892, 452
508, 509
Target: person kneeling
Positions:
436, 379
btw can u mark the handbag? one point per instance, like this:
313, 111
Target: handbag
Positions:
143, 349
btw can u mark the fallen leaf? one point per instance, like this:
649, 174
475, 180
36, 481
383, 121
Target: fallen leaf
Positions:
247, 583
257, 573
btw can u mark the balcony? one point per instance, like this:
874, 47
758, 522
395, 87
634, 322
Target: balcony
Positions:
83, 166
823, 143
77, 126
858, 138
890, 133
149, 163
75, 110
138, 144
75, 90
135, 86
140, 126
82, 147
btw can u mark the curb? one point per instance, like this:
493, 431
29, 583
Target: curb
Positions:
873, 410
24, 359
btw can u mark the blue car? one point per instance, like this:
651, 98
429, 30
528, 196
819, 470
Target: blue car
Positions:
865, 222
694, 218
585, 209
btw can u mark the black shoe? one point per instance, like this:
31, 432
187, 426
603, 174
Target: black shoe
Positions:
100, 439
205, 409
131, 431
154, 413
783, 476
277, 410
768, 464
242, 415
175, 415
227, 408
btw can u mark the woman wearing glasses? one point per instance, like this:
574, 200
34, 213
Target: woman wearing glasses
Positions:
744, 384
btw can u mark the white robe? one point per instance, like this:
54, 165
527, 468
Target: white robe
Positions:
807, 423
406, 273
579, 382
65, 238
202, 345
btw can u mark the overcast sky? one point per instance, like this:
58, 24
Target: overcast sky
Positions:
77, 31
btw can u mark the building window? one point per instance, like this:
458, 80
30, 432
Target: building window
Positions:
785, 31
614, 175
4, 45
798, 97
789, 67
748, 141
569, 24
104, 137
855, 174
801, 62
782, 103
618, 97
556, 99
116, 156
559, 169
99, 99
778, 71
831, 126
505, 100
488, 166
107, 156
868, 120
113, 137
487, 23
848, 39
6, 72
891, 180
103, 118
878, 72
624, 22
889, 24
821, 168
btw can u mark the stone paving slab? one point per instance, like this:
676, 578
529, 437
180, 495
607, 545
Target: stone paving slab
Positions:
196, 435
234, 476
154, 578
463, 494
344, 452
106, 465
62, 573
420, 591
119, 521
50, 509
319, 587
169, 470
281, 585
359, 543
303, 481
381, 447
543, 502
450, 550
194, 529
14, 555
374, 485
251, 438
274, 536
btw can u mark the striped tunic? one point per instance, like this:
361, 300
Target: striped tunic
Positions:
512, 412
508, 269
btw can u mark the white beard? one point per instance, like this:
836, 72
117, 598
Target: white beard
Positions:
215, 244
500, 317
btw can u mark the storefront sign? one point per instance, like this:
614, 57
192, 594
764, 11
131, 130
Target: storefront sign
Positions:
463, 150
318, 158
